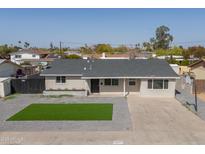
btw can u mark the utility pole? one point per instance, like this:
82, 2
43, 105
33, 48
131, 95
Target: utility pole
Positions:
193, 77
195, 91
60, 46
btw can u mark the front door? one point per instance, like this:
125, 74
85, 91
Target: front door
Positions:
95, 86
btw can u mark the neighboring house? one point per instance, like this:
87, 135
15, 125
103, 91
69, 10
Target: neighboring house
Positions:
176, 57
8, 68
144, 77
115, 56
198, 69
68, 53
184, 70
128, 55
53, 56
23, 55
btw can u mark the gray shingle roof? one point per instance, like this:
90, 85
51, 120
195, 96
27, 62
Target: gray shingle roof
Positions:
112, 68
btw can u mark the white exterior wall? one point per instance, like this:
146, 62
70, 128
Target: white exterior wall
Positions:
8, 69
141, 87
145, 92
105, 89
23, 56
72, 83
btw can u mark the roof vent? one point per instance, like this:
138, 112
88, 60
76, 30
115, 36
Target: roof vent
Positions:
84, 68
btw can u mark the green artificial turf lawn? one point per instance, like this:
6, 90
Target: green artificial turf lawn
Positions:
45, 112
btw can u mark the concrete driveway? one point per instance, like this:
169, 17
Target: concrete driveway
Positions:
154, 121
164, 121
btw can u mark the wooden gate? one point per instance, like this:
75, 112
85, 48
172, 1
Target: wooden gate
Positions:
28, 86
200, 84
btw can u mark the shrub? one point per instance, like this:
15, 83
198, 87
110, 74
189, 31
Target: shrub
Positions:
73, 56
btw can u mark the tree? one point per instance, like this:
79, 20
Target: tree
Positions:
173, 51
161, 40
148, 46
137, 46
73, 56
51, 46
26, 44
120, 49
103, 48
196, 51
5, 50
86, 49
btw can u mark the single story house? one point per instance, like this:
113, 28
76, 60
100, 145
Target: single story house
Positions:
144, 77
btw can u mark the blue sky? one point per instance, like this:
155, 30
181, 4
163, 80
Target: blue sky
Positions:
39, 27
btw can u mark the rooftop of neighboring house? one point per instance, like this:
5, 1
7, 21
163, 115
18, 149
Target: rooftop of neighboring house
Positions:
2, 61
72, 53
197, 64
39, 60
127, 55
53, 56
32, 51
98, 68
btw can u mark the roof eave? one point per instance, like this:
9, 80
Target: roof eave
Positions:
60, 74
148, 77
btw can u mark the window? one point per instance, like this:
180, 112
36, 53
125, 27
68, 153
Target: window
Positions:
107, 82
113, 82
158, 84
131, 82
166, 82
17, 56
33, 55
149, 84
60, 79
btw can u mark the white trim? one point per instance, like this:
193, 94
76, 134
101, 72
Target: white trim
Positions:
111, 82
124, 86
131, 77
60, 74
155, 88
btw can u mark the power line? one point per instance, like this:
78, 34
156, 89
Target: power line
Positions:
125, 44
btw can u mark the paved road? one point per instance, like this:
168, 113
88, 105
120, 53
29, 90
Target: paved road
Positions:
185, 97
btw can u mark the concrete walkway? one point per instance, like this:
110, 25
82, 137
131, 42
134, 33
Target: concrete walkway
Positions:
185, 97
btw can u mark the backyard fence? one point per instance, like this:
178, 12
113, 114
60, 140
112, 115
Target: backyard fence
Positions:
28, 86
200, 84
